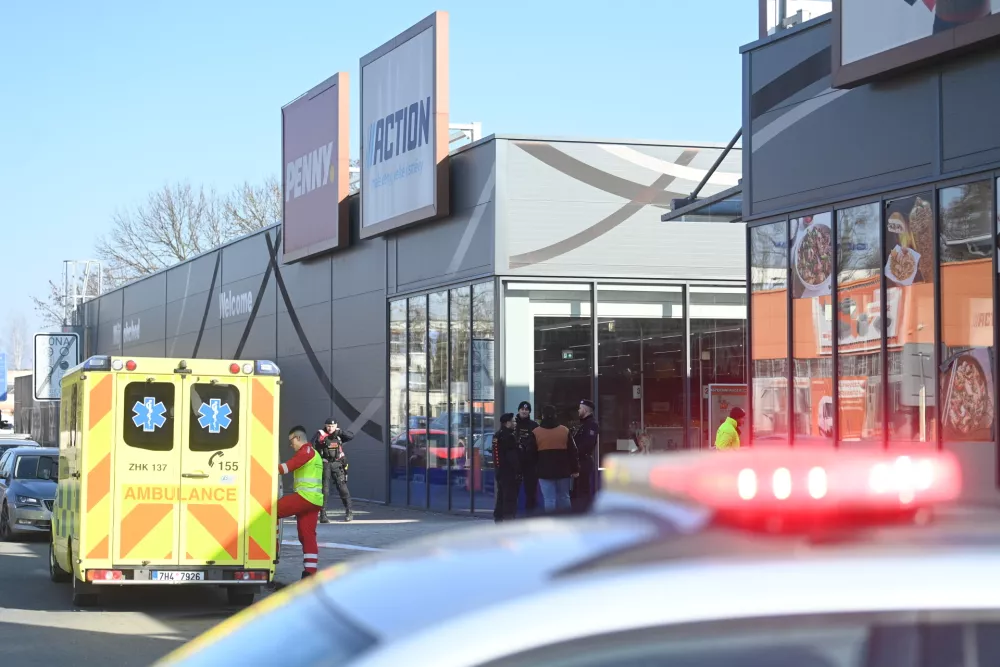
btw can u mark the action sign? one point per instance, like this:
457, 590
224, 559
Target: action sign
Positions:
55, 353
404, 129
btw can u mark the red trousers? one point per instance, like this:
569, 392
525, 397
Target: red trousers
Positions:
306, 516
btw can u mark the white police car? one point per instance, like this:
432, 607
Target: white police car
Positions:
754, 558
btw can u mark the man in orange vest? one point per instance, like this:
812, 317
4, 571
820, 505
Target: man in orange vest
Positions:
557, 460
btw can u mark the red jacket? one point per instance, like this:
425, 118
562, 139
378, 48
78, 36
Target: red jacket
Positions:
302, 457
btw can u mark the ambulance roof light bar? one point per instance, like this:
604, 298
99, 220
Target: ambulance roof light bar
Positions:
97, 363
804, 482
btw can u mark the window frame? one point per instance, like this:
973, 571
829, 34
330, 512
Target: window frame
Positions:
171, 414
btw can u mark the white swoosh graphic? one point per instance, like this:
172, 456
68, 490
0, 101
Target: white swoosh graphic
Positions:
669, 168
764, 135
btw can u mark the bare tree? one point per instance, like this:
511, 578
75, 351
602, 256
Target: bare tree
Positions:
52, 308
17, 337
251, 207
176, 223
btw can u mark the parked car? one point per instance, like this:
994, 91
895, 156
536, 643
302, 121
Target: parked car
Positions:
10, 443
28, 479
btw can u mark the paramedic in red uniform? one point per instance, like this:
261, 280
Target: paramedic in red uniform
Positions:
306, 502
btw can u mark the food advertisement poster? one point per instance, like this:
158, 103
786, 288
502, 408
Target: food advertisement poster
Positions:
812, 255
909, 240
967, 386
721, 399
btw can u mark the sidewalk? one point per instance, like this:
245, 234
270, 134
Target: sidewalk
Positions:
375, 528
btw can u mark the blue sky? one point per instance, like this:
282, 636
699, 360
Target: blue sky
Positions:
107, 101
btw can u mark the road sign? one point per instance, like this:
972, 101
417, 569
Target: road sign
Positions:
55, 353
3, 376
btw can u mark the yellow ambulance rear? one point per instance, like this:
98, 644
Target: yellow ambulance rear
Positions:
168, 475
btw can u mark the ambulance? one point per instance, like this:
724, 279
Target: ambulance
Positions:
168, 476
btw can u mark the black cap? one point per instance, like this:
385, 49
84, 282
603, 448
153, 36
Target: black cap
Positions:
737, 413
588, 403
330, 420
506, 417
524, 404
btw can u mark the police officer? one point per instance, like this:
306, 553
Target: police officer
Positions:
524, 426
329, 442
586, 435
507, 464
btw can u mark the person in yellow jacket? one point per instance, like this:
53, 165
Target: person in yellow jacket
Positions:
728, 435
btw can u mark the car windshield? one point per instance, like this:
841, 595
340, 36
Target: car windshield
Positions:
36, 467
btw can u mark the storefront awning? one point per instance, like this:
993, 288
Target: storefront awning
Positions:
725, 206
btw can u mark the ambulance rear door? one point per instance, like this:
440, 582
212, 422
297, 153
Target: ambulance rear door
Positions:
146, 462
214, 470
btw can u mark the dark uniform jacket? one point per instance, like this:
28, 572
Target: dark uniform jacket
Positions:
506, 455
330, 445
587, 436
522, 432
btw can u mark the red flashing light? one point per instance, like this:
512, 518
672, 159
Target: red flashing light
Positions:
130, 365
105, 575
234, 368
811, 481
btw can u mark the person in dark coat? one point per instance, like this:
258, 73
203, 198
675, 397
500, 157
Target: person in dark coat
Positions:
329, 442
523, 427
507, 465
587, 437
558, 461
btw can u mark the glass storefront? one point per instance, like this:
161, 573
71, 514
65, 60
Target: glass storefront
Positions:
660, 365
441, 415
669, 360
898, 295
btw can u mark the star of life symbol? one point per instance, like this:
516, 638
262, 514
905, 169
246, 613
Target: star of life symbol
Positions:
150, 414
215, 415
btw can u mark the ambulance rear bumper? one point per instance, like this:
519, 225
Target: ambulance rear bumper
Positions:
209, 576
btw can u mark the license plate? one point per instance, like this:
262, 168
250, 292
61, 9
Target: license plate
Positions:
165, 575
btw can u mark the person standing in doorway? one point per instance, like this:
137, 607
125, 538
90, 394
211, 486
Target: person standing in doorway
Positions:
728, 435
524, 425
558, 460
306, 501
587, 437
507, 467
329, 442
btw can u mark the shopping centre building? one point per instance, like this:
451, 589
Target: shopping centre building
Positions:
534, 269
871, 156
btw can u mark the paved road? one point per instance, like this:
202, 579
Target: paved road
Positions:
136, 626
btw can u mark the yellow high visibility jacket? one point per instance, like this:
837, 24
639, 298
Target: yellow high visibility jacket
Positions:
727, 436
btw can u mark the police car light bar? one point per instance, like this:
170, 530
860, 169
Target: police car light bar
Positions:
802, 481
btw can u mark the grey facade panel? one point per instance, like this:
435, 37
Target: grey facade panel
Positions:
446, 251
150, 325
970, 132
190, 275
355, 368
139, 296
360, 270
809, 145
312, 283
358, 320
245, 258
461, 245
593, 210
185, 315
258, 343
315, 322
